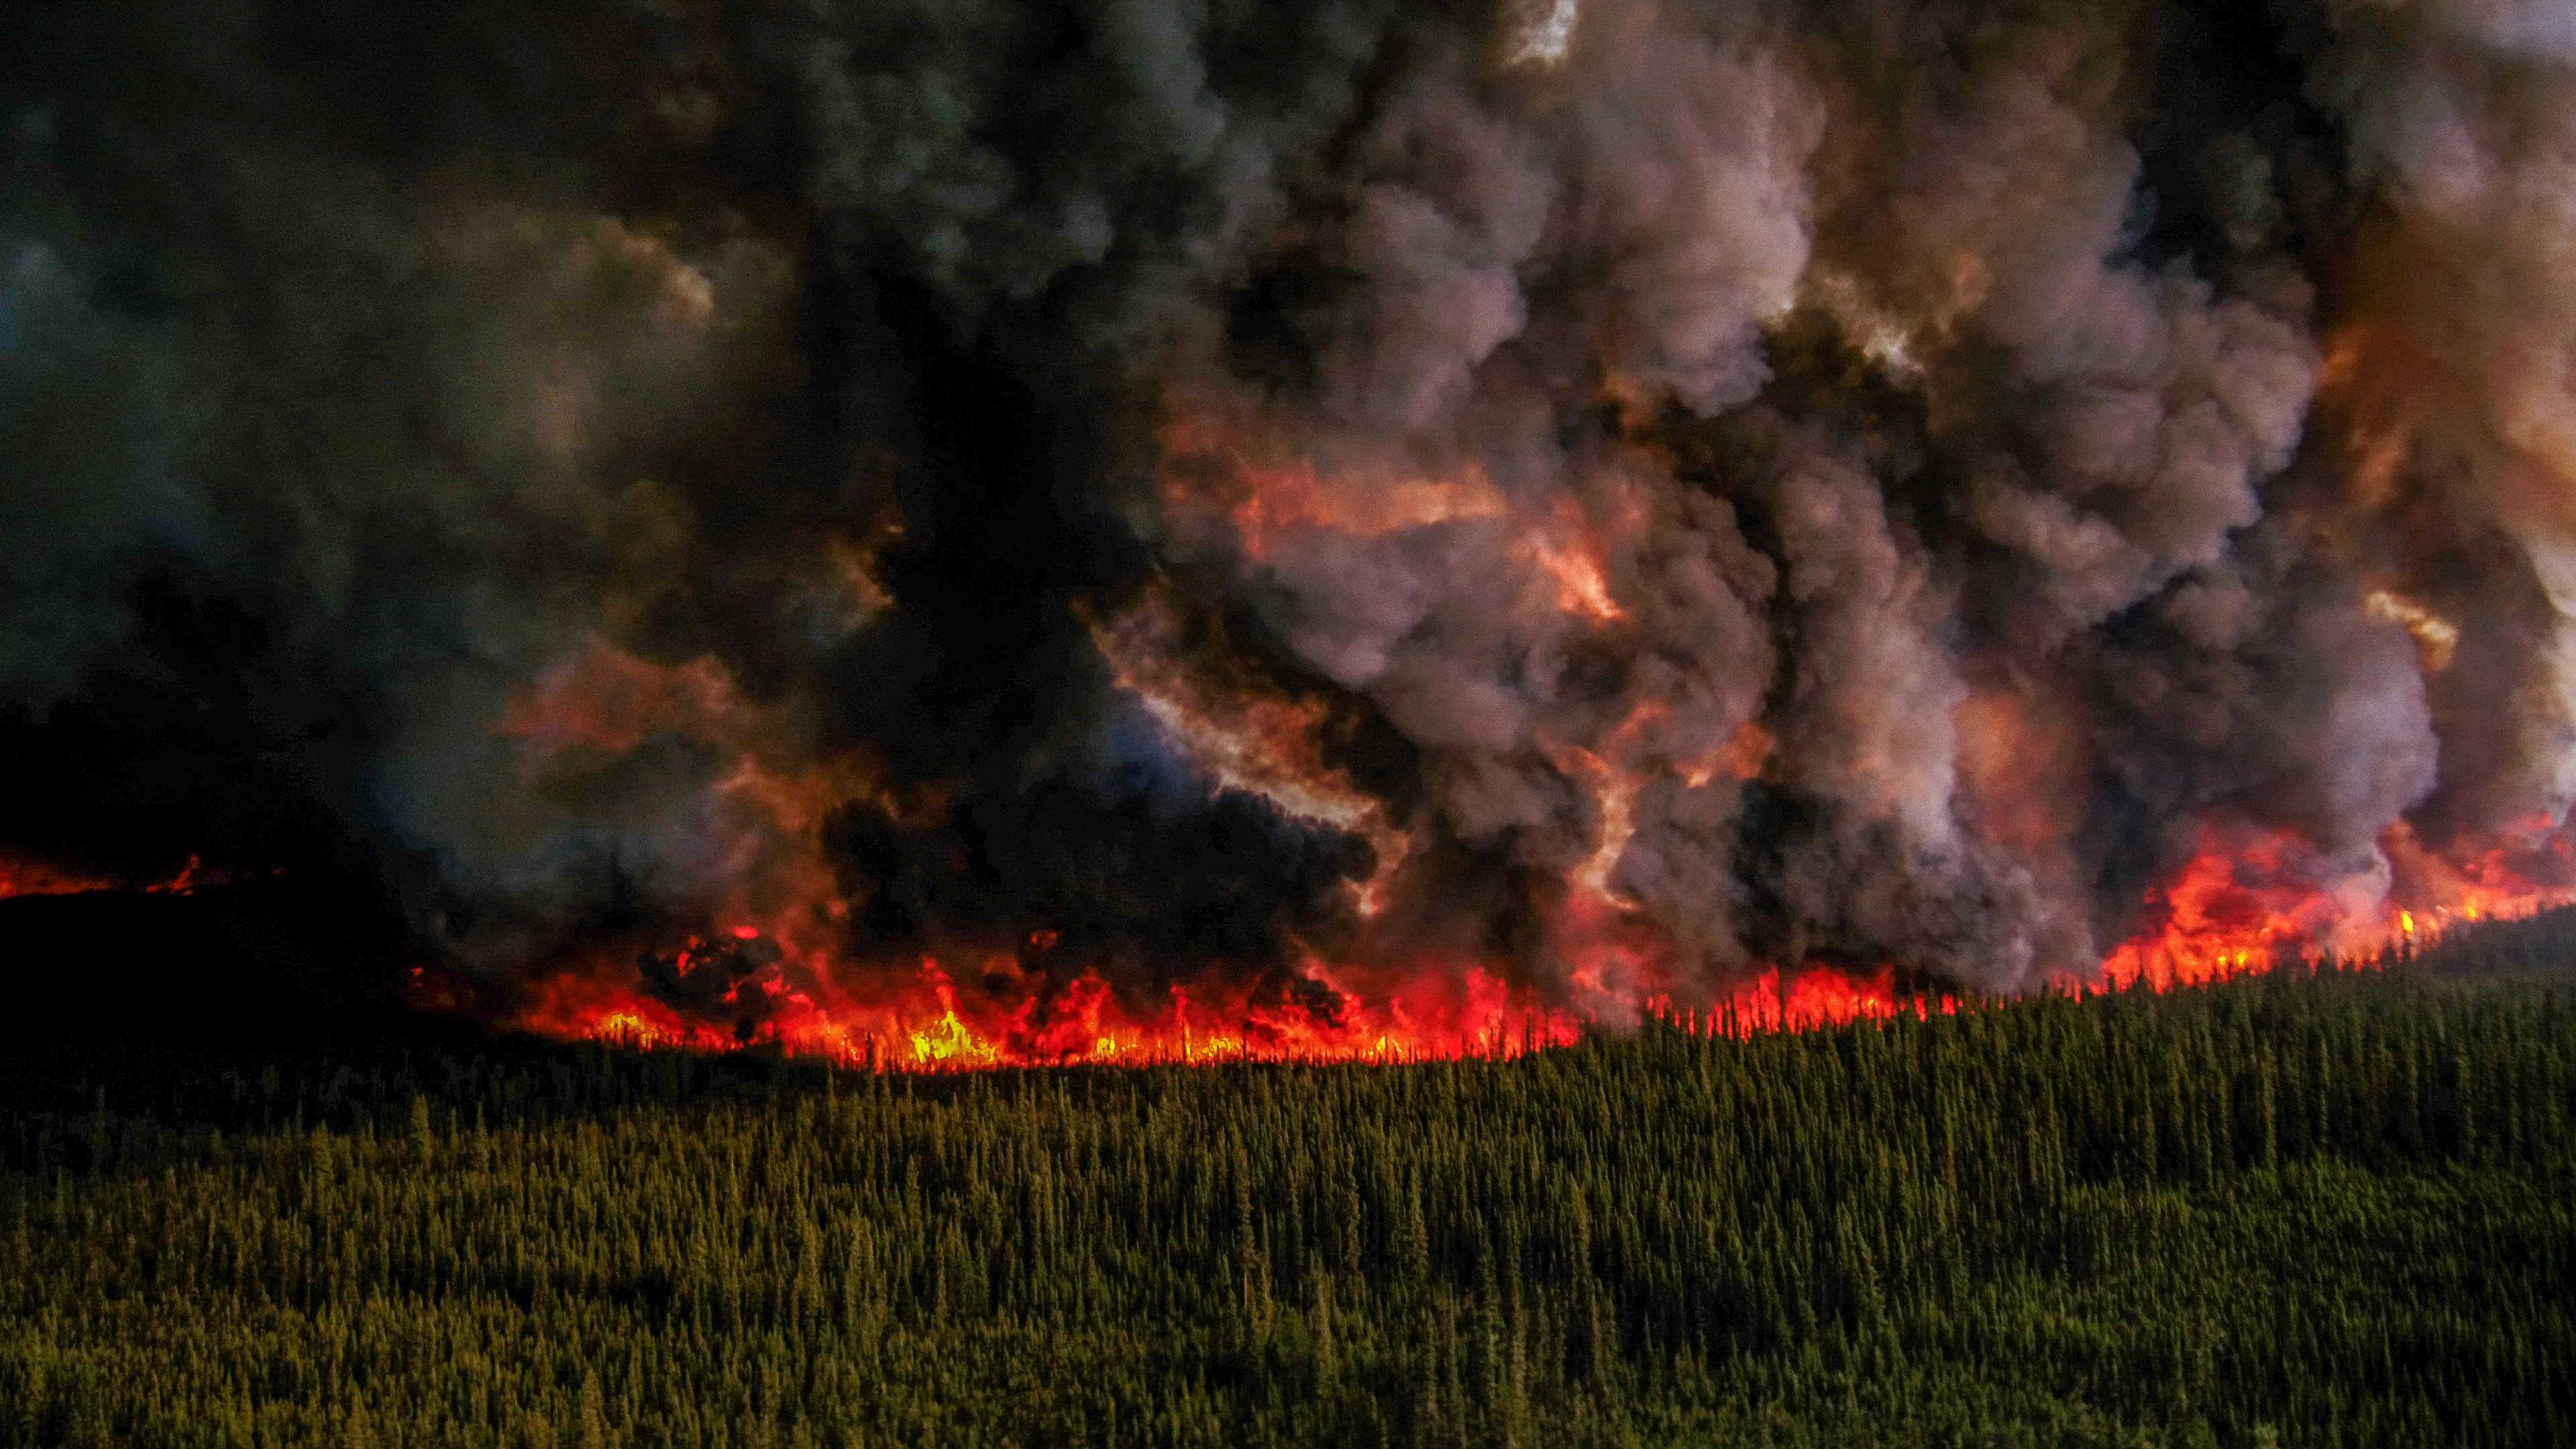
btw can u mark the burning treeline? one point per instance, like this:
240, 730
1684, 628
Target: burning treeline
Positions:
983, 532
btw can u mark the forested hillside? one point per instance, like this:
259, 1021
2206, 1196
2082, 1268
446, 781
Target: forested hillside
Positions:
2330, 1208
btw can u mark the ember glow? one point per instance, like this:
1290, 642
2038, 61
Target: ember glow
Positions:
34, 878
22, 876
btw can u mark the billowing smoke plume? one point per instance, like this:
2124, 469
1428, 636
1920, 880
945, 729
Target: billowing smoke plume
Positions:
1610, 495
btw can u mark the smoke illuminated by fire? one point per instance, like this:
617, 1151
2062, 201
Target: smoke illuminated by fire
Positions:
2435, 636
2245, 899
1249, 741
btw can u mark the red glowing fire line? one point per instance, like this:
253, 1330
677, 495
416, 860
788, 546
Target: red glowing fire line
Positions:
2228, 912
2219, 918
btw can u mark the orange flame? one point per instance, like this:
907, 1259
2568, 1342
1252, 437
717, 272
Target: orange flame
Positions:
2240, 905
924, 1019
2243, 905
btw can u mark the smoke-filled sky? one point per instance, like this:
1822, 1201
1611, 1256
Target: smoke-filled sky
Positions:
1614, 492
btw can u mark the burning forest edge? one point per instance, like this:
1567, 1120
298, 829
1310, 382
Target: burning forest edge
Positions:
2220, 918
927, 1025
740, 990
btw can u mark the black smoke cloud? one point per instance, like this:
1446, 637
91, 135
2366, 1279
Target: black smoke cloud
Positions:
600, 472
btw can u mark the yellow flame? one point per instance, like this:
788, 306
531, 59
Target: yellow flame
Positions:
625, 1028
948, 1039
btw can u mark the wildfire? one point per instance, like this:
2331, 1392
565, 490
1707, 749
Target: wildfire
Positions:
2229, 910
2239, 905
2242, 905
35, 878
22, 876
2242, 902
773, 975
927, 1019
